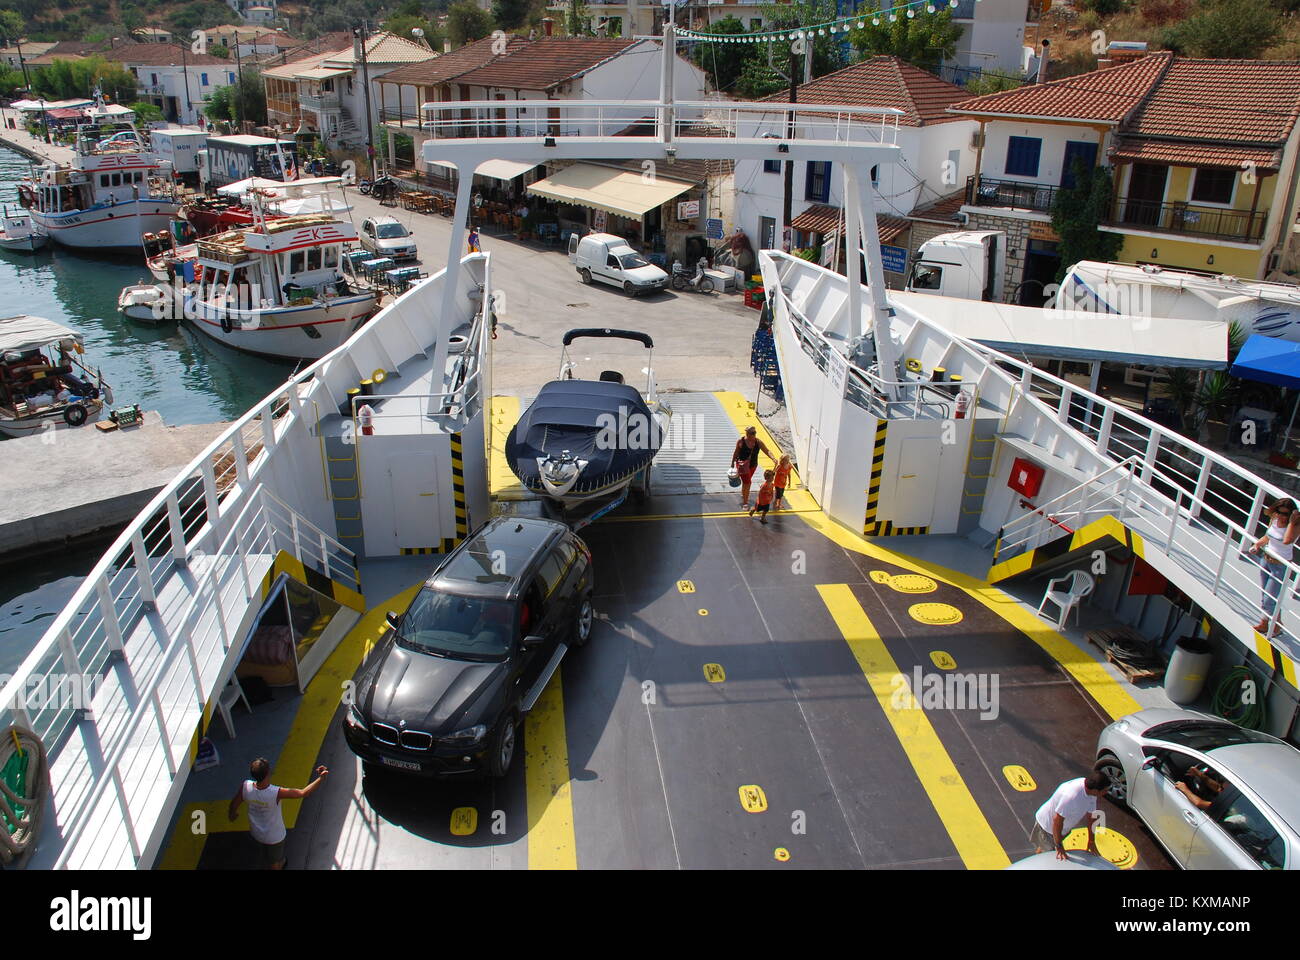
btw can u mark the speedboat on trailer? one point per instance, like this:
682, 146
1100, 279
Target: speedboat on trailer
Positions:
584, 442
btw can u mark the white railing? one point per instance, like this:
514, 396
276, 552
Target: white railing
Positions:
524, 119
1094, 498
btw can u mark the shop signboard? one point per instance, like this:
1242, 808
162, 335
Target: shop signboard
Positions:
893, 259
688, 210
598, 221
713, 229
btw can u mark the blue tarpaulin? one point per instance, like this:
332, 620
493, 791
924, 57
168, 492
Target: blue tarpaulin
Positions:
1269, 360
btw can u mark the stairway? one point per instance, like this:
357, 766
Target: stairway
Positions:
979, 469
349, 132
345, 484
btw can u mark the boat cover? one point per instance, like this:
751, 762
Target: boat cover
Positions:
31, 333
567, 415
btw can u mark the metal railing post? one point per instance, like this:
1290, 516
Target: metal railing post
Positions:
1202, 484
241, 458
126, 813
143, 575
162, 733
1152, 451
176, 529
1103, 434
108, 615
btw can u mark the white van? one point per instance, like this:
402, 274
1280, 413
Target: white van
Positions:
605, 257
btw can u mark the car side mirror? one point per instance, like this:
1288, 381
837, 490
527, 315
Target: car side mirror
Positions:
392, 619
533, 642
1149, 762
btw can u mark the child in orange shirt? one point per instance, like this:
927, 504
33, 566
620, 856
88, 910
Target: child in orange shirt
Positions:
782, 481
765, 494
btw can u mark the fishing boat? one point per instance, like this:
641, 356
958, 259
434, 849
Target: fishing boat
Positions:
167, 250
582, 441
151, 302
18, 232
232, 206
277, 288
38, 388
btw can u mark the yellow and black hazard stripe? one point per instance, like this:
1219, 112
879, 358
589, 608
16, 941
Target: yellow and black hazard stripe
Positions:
870, 527
287, 563
458, 488
1093, 534
447, 545
886, 528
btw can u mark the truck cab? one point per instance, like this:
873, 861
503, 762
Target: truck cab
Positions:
967, 265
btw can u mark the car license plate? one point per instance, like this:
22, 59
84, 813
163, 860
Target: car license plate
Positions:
400, 764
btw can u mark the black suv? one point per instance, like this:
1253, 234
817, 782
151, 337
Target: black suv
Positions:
474, 651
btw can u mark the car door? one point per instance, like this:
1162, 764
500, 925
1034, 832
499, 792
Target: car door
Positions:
573, 248
1155, 798
612, 271
536, 663
368, 235
1235, 835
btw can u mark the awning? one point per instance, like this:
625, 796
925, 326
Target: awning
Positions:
321, 73
1139, 150
31, 333
1077, 334
620, 192
825, 219
1268, 360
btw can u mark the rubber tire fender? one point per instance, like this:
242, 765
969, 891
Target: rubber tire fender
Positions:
75, 414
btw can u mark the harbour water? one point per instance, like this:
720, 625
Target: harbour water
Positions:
186, 377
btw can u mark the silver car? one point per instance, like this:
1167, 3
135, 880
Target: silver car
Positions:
1216, 796
388, 237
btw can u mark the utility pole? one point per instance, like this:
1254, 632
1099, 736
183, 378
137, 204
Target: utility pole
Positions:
239, 87
787, 235
22, 64
360, 50
185, 71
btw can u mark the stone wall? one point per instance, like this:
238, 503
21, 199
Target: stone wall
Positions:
1017, 239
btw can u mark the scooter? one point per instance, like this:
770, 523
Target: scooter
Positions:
700, 281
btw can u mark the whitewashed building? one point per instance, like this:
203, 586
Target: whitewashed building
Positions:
177, 80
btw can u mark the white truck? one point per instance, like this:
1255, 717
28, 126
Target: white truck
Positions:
180, 146
968, 264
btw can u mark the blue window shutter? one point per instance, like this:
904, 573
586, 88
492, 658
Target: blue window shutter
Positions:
1022, 156
203, 79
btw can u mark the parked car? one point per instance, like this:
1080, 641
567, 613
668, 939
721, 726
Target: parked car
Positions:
609, 259
388, 237
1238, 806
474, 651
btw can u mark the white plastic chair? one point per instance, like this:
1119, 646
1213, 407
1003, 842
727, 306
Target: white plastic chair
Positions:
1080, 585
230, 696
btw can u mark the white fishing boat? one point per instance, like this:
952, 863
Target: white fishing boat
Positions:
150, 303
38, 387
277, 288
19, 233
113, 191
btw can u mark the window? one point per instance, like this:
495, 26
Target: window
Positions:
153, 78
553, 569
1022, 156
1242, 821
313, 258
230, 78
203, 79
875, 175
103, 179
1213, 185
331, 257
818, 186
612, 262
117, 179
926, 277
296, 261
771, 166
468, 628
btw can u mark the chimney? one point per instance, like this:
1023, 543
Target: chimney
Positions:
1044, 61
548, 25
446, 46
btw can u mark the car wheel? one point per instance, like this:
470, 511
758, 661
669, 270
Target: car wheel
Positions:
585, 274
582, 623
1117, 793
628, 288
502, 753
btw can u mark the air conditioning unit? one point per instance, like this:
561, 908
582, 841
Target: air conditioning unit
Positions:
977, 140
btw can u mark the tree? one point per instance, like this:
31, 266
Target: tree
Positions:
466, 22
65, 79
245, 99
1076, 214
511, 14
219, 50
992, 81
723, 62
402, 25
11, 26
10, 80
147, 113
925, 40
1226, 29
199, 14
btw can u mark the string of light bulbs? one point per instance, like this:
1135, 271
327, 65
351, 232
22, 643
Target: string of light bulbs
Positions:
858, 21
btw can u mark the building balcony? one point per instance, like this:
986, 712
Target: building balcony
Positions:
319, 101
1010, 194
1184, 218
408, 121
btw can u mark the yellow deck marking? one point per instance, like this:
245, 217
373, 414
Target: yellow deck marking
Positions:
935, 614
904, 582
1086, 671
551, 844
703, 612
943, 660
464, 821
297, 758
1111, 844
504, 484
781, 854
685, 586
752, 798
742, 415
714, 673
971, 834
1019, 778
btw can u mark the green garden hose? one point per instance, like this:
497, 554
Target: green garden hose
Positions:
1230, 701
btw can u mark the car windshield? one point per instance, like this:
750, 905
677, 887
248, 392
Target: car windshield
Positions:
449, 625
630, 261
1205, 735
390, 231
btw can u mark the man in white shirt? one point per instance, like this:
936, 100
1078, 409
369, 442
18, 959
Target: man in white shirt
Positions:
265, 818
1073, 804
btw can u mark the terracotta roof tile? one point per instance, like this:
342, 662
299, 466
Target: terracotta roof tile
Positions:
883, 82
383, 48
546, 63
160, 55
823, 218
1107, 95
453, 64
943, 208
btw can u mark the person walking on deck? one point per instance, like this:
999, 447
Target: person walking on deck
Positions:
765, 494
1275, 549
265, 817
782, 481
745, 460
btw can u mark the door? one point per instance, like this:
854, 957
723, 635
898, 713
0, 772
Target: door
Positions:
819, 457
573, 248
1155, 797
1077, 151
917, 480
611, 271
1146, 192
411, 518
1235, 835
1042, 262
767, 233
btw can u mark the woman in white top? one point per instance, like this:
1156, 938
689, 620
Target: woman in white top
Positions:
1275, 549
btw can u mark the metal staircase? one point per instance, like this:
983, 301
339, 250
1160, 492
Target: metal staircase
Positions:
341, 466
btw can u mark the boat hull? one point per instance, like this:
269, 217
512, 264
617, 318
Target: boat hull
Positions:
28, 244
115, 227
286, 333
51, 419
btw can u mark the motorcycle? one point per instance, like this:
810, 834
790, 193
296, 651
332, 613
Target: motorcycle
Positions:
381, 188
699, 281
